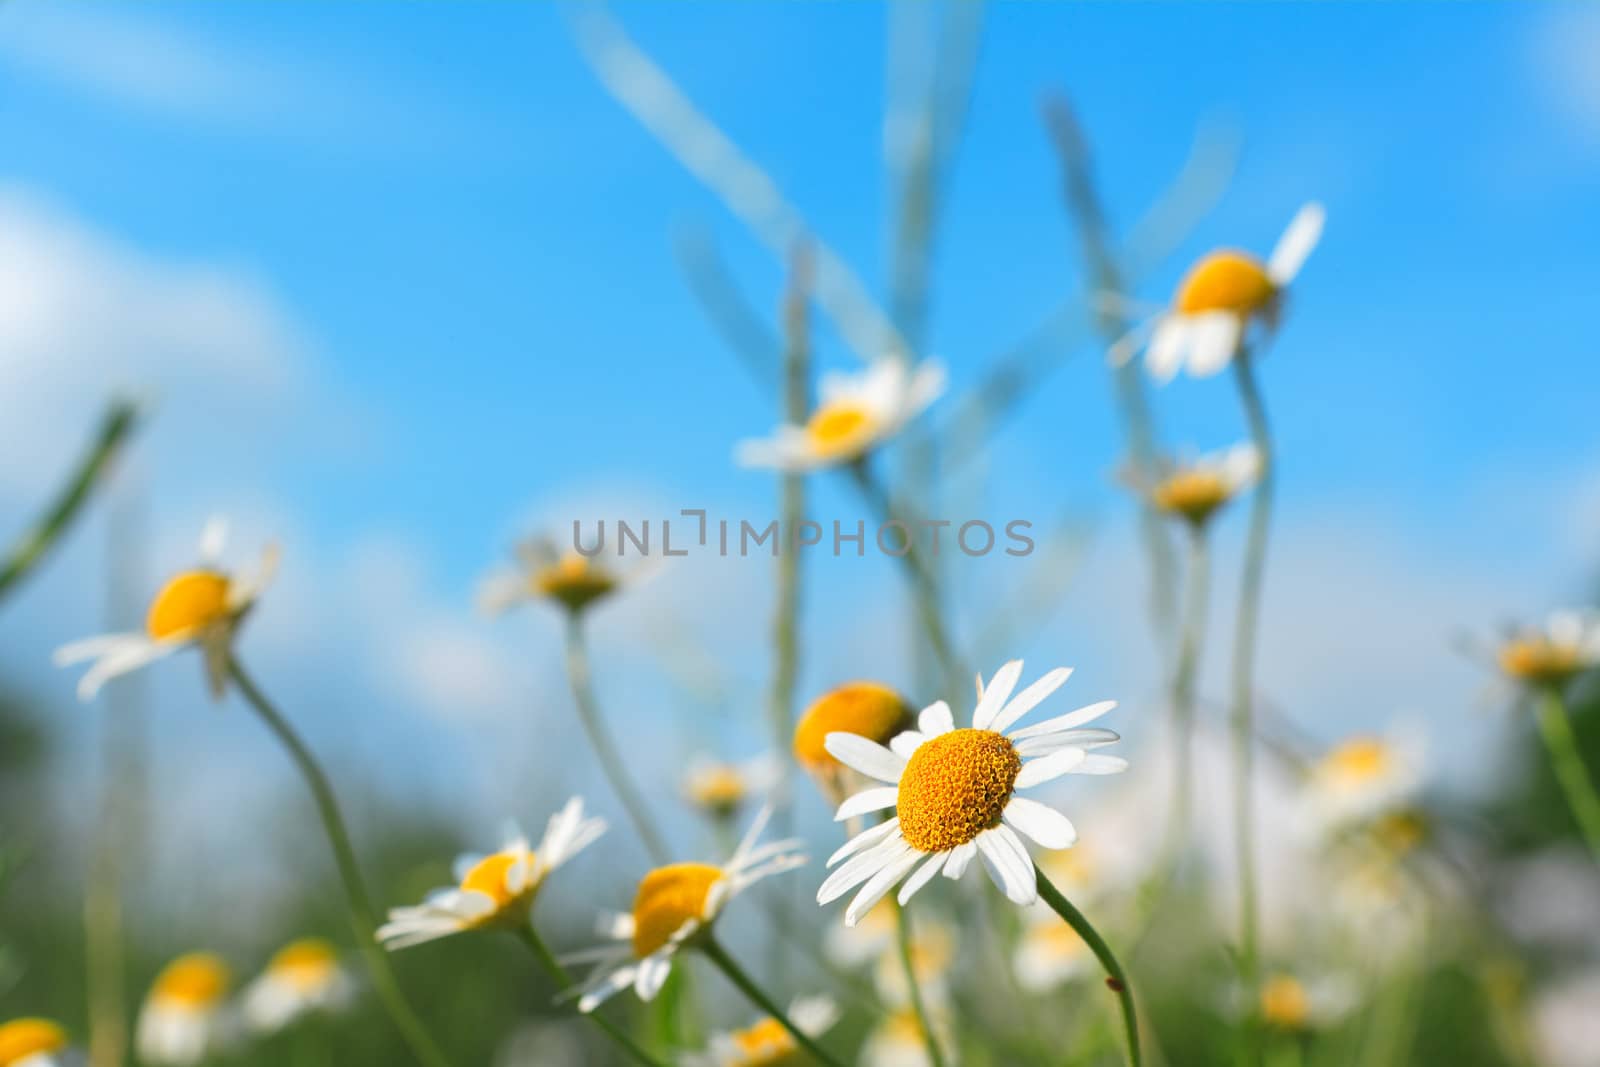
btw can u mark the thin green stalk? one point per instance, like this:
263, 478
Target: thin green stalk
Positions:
31, 548
735, 974
1116, 979
1184, 678
902, 923
605, 749
547, 959
362, 918
1565, 757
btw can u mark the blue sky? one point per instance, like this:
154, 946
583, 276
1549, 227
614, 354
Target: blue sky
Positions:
417, 269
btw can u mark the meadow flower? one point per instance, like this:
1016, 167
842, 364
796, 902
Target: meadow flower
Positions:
183, 1019
856, 413
721, 789
201, 608
898, 1041
866, 709
1194, 490
1553, 654
1050, 954
35, 1042
766, 1043
303, 978
673, 905
1220, 297
955, 793
1361, 778
1289, 1003
865, 942
497, 889
569, 579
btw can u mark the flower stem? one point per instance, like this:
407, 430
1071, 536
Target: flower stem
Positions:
605, 749
919, 1008
1184, 675
1569, 767
362, 917
735, 974
547, 959
1116, 979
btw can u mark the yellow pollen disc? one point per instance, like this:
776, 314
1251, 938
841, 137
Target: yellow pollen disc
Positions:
668, 898
874, 711
305, 964
21, 1038
1284, 1002
198, 980
1540, 660
1194, 494
574, 581
187, 604
1358, 761
488, 877
955, 787
766, 1044
841, 429
1226, 281
719, 789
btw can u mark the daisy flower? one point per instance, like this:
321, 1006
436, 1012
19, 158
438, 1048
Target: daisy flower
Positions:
183, 1021
865, 942
1553, 654
199, 608
766, 1043
955, 793
1361, 778
541, 572
35, 1043
898, 1040
303, 978
1292, 1004
866, 709
1050, 954
672, 906
498, 889
1194, 490
721, 789
856, 414
1220, 297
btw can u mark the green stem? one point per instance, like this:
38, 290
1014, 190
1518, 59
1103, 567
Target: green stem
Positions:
1116, 979
1569, 767
1184, 678
605, 749
735, 974
362, 918
115, 427
919, 1008
547, 959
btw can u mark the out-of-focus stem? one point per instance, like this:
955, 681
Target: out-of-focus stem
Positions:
902, 924
1567, 760
605, 749
736, 974
1116, 978
1184, 677
792, 503
547, 959
362, 918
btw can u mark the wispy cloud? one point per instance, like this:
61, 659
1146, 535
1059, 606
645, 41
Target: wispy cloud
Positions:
1563, 49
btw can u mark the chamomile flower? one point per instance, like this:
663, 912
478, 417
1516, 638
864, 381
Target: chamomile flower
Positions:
898, 1041
1050, 954
183, 1019
856, 413
541, 572
303, 978
1553, 654
954, 792
1220, 297
1289, 1003
35, 1043
721, 789
865, 942
200, 608
498, 889
866, 709
672, 906
1361, 778
766, 1043
1195, 490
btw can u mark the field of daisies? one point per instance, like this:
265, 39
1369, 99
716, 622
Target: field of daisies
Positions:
982, 861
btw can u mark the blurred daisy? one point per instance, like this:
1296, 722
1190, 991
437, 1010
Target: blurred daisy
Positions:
866, 941
1361, 778
541, 572
898, 1041
201, 608
1219, 298
303, 978
933, 951
182, 1021
1050, 954
767, 1043
1292, 1004
1194, 490
498, 889
35, 1043
857, 413
721, 789
866, 709
673, 904
1553, 654
955, 793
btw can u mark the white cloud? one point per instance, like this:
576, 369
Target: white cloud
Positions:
1562, 54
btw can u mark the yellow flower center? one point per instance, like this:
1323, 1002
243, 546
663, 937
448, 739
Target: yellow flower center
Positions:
720, 789
1226, 281
488, 876
841, 429
1193, 494
1399, 832
874, 711
306, 965
1540, 661
766, 1044
1284, 1002
955, 787
574, 581
1358, 761
198, 980
188, 604
21, 1038
668, 898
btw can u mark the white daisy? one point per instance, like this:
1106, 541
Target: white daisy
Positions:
1290, 1003
303, 978
182, 1021
498, 889
541, 572
766, 1043
1195, 489
867, 941
898, 1040
1049, 953
1219, 298
202, 607
673, 904
955, 793
721, 789
1361, 778
856, 413
1553, 654
33, 1042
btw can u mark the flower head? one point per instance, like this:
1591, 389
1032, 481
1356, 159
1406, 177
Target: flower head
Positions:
304, 977
1363, 777
541, 572
866, 709
672, 905
857, 413
1197, 489
766, 1043
954, 792
722, 789
1050, 954
202, 608
1553, 654
33, 1043
1287, 1002
182, 1021
898, 1040
497, 889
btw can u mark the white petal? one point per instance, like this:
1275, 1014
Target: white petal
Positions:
927, 384
1214, 342
1084, 739
1098, 764
1047, 826
122, 661
1297, 242
1030, 698
906, 742
95, 647
878, 885
652, 976
996, 693
757, 824
1071, 720
867, 865
1048, 768
1011, 872
611, 985
960, 856
868, 757
1164, 358
870, 800
864, 839
213, 540
936, 719
922, 876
